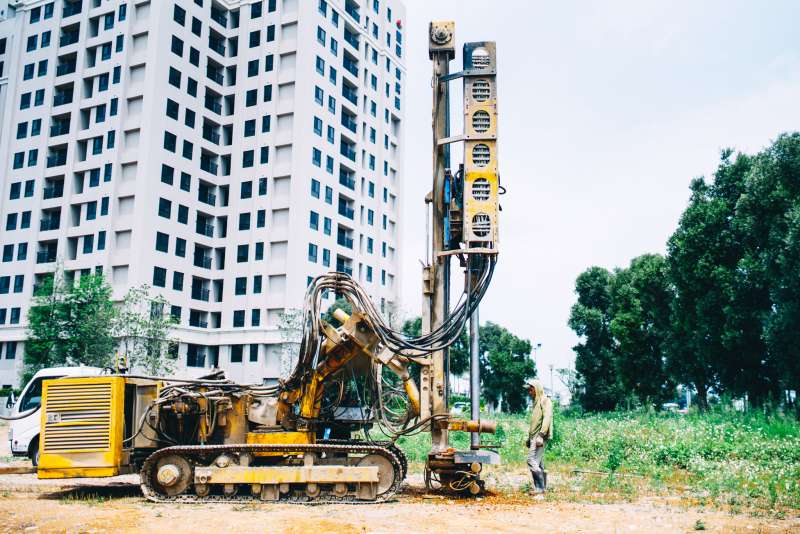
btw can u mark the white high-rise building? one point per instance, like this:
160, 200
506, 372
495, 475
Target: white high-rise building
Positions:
222, 151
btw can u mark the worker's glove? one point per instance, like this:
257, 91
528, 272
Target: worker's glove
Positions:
528, 443
539, 441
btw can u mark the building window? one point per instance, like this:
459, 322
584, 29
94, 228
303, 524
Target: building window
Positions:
254, 347
170, 141
257, 284
313, 220
175, 77
312, 252
248, 158
244, 221
162, 242
259, 254
255, 38
255, 320
164, 208
316, 157
242, 252
236, 350
318, 126
172, 109
159, 277
180, 247
167, 173
177, 281
238, 321
241, 285
315, 188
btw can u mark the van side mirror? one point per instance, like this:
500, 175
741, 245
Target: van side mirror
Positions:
11, 400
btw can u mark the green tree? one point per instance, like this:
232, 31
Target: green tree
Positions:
339, 304
505, 365
599, 386
70, 324
641, 299
141, 327
459, 351
504, 359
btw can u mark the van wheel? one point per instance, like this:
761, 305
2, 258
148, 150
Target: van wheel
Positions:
33, 452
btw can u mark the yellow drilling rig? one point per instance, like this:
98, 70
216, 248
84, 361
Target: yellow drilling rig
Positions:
214, 440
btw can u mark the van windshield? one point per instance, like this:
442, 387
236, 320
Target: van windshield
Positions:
32, 397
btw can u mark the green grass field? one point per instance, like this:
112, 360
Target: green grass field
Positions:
738, 461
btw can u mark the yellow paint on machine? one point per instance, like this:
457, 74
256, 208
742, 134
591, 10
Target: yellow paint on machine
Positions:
321, 474
279, 438
82, 425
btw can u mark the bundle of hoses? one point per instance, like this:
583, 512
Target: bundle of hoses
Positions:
442, 337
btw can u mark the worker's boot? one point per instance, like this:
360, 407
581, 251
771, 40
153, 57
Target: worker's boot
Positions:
538, 482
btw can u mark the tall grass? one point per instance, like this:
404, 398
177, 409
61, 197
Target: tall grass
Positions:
740, 460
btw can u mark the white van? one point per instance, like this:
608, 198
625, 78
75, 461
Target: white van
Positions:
23, 434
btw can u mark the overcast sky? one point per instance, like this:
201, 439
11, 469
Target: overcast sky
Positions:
607, 111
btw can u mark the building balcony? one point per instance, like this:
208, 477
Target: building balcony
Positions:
59, 129
215, 75
350, 94
210, 135
68, 39
53, 191
209, 166
352, 10
71, 8
213, 105
205, 229
217, 47
219, 17
198, 293
351, 38
348, 182
49, 224
347, 212
65, 68
62, 98
202, 261
351, 66
346, 242
342, 268
348, 152
45, 256
56, 160
210, 199
349, 123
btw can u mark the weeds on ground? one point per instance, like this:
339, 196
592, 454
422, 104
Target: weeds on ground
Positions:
739, 461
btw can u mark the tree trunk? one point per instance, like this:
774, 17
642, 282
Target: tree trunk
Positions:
702, 397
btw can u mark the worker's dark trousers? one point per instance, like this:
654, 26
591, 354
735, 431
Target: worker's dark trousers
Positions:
536, 465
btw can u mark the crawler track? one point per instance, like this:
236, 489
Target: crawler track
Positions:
203, 455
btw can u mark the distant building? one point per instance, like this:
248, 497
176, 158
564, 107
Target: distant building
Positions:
223, 151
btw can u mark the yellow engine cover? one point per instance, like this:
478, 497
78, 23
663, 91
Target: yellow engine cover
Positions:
82, 425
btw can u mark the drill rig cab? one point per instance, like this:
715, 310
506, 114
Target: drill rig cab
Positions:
215, 440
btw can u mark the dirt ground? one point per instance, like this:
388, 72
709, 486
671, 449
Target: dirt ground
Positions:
101, 505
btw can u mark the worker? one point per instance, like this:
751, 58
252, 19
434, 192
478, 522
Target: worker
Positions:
541, 431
